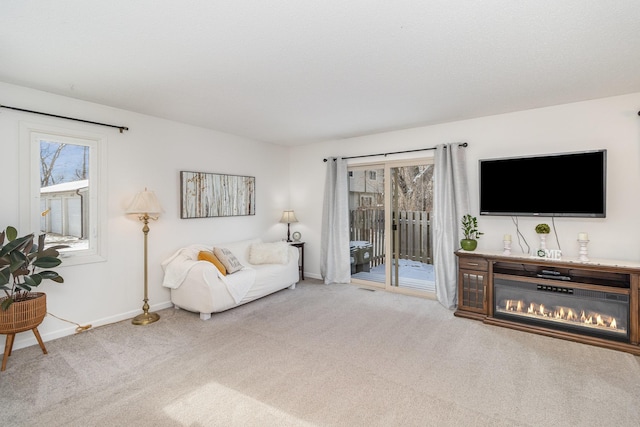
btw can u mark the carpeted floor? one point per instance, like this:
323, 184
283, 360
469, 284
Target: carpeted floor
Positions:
319, 356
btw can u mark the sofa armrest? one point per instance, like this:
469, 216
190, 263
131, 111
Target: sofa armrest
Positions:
202, 290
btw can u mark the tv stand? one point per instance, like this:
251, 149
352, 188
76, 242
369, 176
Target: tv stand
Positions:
492, 286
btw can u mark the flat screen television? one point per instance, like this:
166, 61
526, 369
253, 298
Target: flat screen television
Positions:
564, 185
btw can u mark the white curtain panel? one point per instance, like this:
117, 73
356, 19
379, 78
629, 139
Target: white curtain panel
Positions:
450, 203
335, 264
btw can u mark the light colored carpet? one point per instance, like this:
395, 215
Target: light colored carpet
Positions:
319, 356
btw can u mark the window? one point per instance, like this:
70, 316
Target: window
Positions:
63, 174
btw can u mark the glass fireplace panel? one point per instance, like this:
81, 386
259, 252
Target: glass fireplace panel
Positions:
569, 308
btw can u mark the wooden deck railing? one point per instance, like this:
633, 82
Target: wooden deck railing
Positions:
413, 234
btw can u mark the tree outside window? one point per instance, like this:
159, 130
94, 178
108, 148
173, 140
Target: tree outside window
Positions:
64, 188
64, 173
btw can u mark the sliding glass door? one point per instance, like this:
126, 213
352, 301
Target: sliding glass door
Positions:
390, 206
411, 208
367, 238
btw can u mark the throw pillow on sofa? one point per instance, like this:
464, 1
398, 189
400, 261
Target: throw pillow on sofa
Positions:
269, 253
210, 256
227, 259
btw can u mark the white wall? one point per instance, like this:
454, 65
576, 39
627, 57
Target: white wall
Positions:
150, 154
610, 123
153, 151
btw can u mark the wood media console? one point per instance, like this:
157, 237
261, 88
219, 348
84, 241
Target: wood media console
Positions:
593, 302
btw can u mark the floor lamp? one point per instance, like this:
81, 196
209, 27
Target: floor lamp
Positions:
146, 206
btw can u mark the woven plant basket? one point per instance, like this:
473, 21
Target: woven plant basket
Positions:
23, 315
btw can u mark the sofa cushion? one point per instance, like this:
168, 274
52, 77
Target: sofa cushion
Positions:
226, 257
239, 248
210, 256
269, 253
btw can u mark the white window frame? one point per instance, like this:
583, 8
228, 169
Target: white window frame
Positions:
30, 136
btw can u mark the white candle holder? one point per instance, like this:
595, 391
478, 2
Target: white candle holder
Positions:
507, 247
583, 250
543, 241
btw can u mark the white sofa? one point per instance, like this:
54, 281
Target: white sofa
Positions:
200, 287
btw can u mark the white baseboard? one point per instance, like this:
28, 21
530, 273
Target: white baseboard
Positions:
26, 339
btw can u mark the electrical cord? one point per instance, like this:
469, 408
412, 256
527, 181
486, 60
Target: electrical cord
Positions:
79, 328
519, 234
553, 222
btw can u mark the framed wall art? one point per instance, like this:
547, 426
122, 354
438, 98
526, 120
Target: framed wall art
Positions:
205, 195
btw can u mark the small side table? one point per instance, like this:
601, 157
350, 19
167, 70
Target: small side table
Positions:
300, 246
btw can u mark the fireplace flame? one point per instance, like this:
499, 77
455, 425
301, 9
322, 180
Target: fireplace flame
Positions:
511, 305
561, 314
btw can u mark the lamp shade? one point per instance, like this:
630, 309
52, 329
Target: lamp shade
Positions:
145, 202
288, 217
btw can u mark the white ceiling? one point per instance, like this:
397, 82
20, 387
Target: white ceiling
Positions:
299, 71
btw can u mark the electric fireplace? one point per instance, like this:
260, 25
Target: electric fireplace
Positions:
565, 307
594, 302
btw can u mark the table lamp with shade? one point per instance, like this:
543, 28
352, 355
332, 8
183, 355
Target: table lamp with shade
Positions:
288, 217
146, 206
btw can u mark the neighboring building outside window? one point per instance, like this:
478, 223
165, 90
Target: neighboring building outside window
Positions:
64, 171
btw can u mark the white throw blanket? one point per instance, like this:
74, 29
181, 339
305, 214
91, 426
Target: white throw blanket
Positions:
239, 283
177, 267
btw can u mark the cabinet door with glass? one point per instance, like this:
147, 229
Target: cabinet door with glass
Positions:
473, 272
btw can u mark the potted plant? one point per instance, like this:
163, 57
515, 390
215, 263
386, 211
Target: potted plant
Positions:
20, 308
470, 232
543, 230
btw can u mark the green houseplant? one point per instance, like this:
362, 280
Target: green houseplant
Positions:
19, 258
20, 309
543, 230
470, 232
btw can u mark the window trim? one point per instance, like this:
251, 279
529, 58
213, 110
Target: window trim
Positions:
29, 197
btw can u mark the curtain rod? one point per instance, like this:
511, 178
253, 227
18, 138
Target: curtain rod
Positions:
462, 144
121, 128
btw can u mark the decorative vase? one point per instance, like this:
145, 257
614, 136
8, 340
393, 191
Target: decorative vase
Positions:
543, 241
22, 316
469, 244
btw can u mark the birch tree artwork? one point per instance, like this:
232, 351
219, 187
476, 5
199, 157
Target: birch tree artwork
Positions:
205, 195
